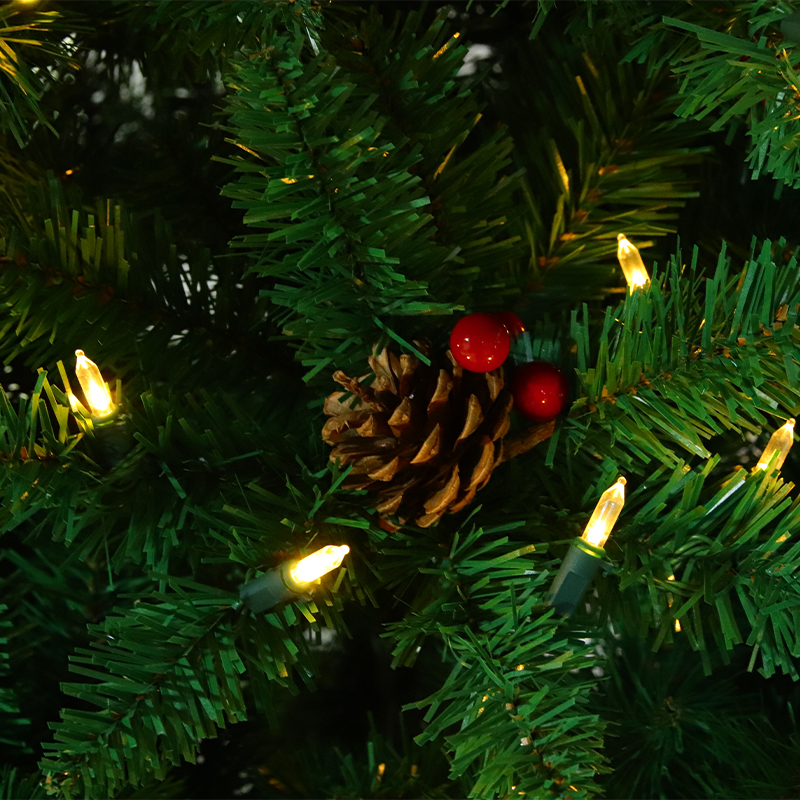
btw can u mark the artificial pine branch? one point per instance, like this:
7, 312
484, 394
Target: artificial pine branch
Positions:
24, 787
763, 92
130, 283
227, 476
158, 657
610, 156
344, 192
9, 705
185, 650
195, 40
26, 31
733, 562
437, 143
721, 80
498, 641
710, 346
657, 705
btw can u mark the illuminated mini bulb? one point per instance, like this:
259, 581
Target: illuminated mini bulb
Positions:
631, 263
98, 398
290, 580
782, 441
585, 555
318, 564
605, 514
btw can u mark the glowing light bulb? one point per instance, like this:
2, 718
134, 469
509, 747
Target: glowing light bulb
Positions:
605, 514
317, 564
631, 262
782, 441
98, 398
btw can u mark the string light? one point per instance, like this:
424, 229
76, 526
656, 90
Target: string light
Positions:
780, 442
318, 564
631, 262
291, 579
98, 398
584, 556
605, 514
100, 418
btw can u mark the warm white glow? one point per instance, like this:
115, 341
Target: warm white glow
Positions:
631, 262
98, 398
317, 564
782, 441
605, 514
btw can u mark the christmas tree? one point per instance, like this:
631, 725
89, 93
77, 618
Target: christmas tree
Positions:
491, 307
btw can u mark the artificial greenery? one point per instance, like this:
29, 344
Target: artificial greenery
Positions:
223, 202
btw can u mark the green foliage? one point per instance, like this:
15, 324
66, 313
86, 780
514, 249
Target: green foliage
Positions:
21, 85
385, 772
453, 159
31, 448
697, 356
348, 197
506, 716
607, 156
212, 31
99, 265
735, 66
673, 368
9, 708
383, 195
178, 651
13, 787
741, 75
731, 579
176, 654
664, 733
754, 82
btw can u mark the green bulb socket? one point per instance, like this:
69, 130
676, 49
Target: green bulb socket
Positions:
114, 438
577, 571
270, 589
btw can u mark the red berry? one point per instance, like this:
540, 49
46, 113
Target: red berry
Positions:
540, 391
480, 342
513, 323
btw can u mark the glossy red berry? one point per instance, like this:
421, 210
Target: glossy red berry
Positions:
480, 342
513, 323
540, 391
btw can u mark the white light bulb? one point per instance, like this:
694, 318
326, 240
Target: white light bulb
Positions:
605, 514
631, 262
317, 564
94, 387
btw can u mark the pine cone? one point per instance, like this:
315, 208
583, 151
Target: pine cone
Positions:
425, 439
